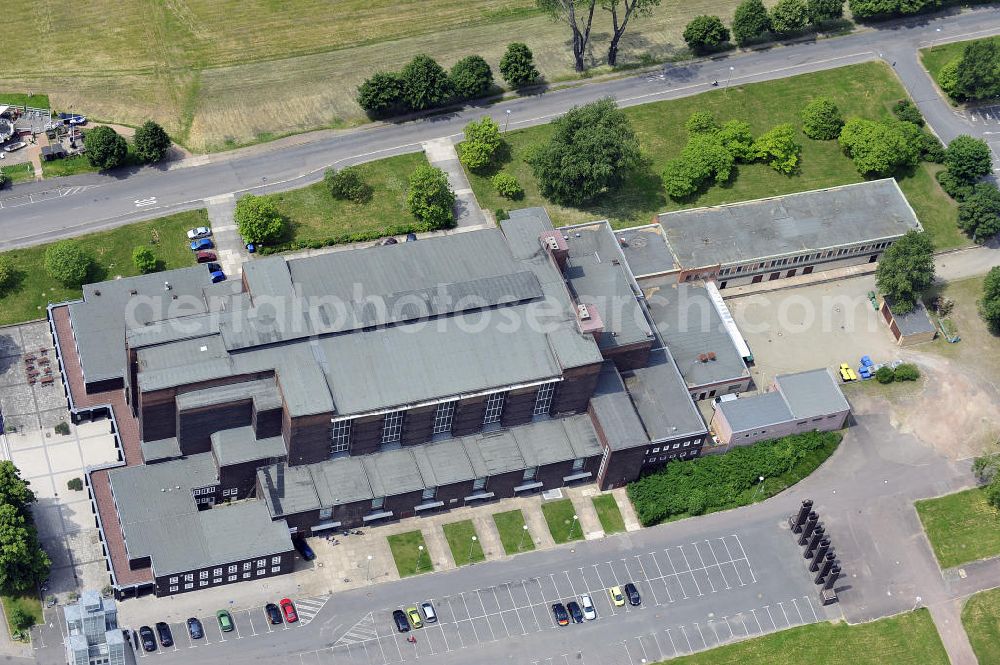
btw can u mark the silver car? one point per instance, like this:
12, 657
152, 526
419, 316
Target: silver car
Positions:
200, 232
430, 616
589, 611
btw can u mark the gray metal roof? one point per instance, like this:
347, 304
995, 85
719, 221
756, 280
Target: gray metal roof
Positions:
443, 463
792, 223
164, 449
288, 489
646, 250
615, 413
662, 400
240, 444
340, 481
393, 472
494, 453
263, 393
597, 276
182, 362
99, 321
811, 393
763, 410
556, 440
915, 321
155, 505
691, 326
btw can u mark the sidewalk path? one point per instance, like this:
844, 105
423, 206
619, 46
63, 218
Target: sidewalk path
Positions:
228, 245
441, 153
947, 617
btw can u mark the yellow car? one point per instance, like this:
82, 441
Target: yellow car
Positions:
846, 373
616, 596
414, 616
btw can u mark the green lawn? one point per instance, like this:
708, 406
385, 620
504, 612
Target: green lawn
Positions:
609, 514
559, 516
981, 618
20, 99
29, 604
19, 172
410, 560
907, 639
961, 527
316, 217
69, 166
936, 57
513, 534
34, 289
463, 549
866, 90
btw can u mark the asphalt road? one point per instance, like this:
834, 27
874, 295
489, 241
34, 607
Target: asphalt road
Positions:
37, 212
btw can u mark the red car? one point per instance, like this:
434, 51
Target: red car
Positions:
289, 610
205, 257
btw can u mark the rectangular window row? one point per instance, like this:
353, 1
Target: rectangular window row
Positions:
340, 437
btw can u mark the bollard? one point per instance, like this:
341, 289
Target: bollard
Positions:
825, 568
817, 535
831, 579
824, 547
798, 520
807, 529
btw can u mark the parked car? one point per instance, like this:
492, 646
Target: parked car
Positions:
203, 243
414, 616
163, 632
14, 147
273, 614
225, 621
575, 612
616, 596
147, 638
430, 616
205, 257
399, 618
218, 276
411, 237
303, 547
214, 267
633, 594
195, 629
291, 616
560, 613
589, 611
199, 232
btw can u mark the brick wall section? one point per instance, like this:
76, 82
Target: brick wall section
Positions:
113, 540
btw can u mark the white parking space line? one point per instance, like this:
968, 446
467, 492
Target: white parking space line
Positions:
711, 624
489, 624
648, 581
811, 608
714, 556
673, 645
704, 567
690, 571
469, 615
798, 611
676, 576
753, 578
700, 633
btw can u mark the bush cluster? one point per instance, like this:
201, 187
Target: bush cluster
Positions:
517, 66
423, 84
881, 148
482, 140
975, 74
968, 160
989, 303
904, 372
348, 184
717, 482
107, 149
507, 186
822, 119
885, 9
985, 468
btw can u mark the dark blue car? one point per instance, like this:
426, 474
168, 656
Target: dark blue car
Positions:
203, 243
218, 276
303, 547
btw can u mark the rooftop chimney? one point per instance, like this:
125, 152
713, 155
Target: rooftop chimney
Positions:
711, 355
590, 320
555, 244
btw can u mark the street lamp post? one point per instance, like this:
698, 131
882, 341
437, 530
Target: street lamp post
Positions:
760, 484
472, 545
506, 121
572, 528
369, 573
420, 554
524, 531
730, 78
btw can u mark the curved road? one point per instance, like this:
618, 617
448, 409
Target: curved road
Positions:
37, 212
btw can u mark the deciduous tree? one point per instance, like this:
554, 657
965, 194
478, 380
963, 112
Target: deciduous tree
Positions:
778, 149
471, 77
150, 142
578, 15
482, 139
979, 213
788, 17
968, 159
736, 137
425, 83
879, 148
623, 11
701, 122
8, 274
14, 490
517, 66
705, 34
105, 149
824, 10
144, 259
381, 95
347, 184
23, 562
258, 220
750, 22
978, 72
68, 263
906, 270
989, 309
821, 119
430, 198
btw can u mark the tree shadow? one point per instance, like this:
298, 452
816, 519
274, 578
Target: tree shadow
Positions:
14, 285
641, 191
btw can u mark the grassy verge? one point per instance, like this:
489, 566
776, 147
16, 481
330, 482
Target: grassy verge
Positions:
907, 639
513, 532
19, 172
979, 617
609, 514
28, 604
866, 90
20, 99
463, 549
961, 527
559, 516
317, 218
75, 165
936, 57
409, 558
34, 289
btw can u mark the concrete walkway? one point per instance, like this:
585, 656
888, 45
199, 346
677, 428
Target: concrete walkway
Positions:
947, 617
441, 153
228, 244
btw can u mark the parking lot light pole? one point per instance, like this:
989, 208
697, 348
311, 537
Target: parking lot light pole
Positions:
572, 528
471, 546
524, 530
369, 573
729, 79
420, 554
760, 484
506, 121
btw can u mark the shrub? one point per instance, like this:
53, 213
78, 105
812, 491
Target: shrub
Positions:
517, 65
736, 137
507, 186
968, 159
954, 187
62, 428
702, 122
788, 17
150, 142
347, 184
716, 482
4, 179
948, 78
68, 263
884, 375
20, 619
8, 274
258, 220
105, 148
821, 119
144, 259
681, 178
381, 95
978, 72
471, 77
906, 110
883, 9
778, 149
705, 34
750, 21
879, 148
75, 484
906, 372
989, 304
430, 198
501, 214
711, 157
425, 84
482, 140
931, 149
824, 10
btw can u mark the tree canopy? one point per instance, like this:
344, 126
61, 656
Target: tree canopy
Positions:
578, 16
989, 303
258, 220
381, 95
979, 213
822, 120
880, 148
593, 147
906, 270
824, 10
778, 149
105, 149
150, 142
430, 197
788, 17
750, 21
482, 140
705, 34
144, 259
622, 12
68, 263
347, 184
517, 66
968, 159
23, 563
471, 77
425, 83
977, 74
883, 9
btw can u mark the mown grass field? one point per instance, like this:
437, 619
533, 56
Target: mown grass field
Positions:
19, 172
559, 516
217, 73
981, 619
961, 527
464, 550
936, 57
907, 639
409, 558
34, 289
866, 90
